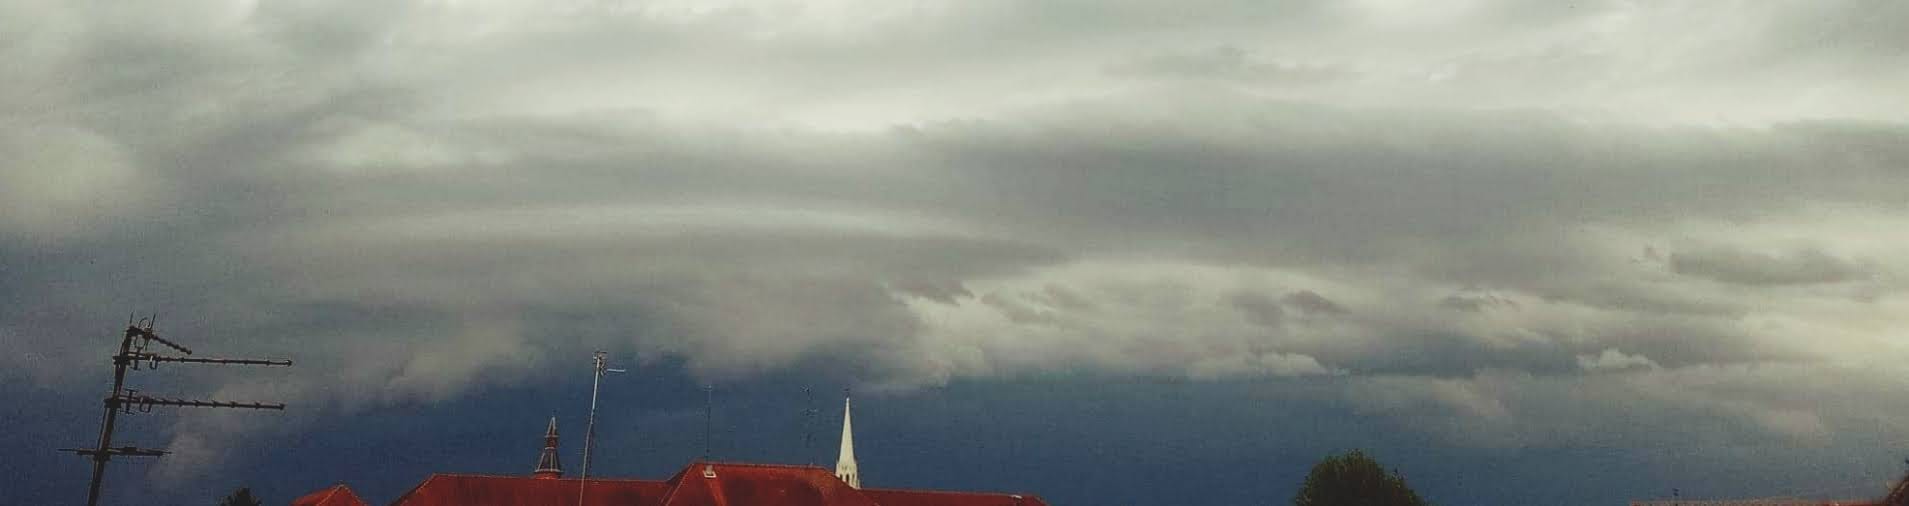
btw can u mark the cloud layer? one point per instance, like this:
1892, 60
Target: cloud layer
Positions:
1509, 218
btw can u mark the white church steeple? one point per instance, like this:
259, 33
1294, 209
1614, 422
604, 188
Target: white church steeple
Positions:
845, 464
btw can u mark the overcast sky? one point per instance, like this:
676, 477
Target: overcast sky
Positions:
1556, 252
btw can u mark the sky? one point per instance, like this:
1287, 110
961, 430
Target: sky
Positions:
1106, 252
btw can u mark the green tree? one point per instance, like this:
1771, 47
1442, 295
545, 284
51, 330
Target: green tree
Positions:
1354, 479
241, 497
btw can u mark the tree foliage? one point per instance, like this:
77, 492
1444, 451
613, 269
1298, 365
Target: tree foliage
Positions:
1354, 479
241, 497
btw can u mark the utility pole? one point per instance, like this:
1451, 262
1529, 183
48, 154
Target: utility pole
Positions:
590, 428
133, 346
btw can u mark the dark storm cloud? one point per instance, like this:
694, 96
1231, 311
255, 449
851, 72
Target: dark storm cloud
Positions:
1443, 222
611, 208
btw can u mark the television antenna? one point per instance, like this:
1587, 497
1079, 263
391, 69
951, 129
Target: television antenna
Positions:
136, 348
601, 365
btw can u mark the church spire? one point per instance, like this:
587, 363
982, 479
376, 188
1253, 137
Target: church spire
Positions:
845, 464
547, 466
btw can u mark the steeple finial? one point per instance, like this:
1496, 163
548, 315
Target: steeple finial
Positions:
845, 464
547, 466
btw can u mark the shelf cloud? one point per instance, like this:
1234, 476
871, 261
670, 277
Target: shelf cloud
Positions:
1504, 215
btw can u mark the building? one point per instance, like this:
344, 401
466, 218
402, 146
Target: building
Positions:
1753, 503
1898, 496
698, 484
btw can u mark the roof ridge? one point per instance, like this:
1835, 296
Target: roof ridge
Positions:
319, 496
943, 492
414, 490
716, 492
516, 477
676, 483
757, 464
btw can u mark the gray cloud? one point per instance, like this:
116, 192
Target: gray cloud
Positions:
1798, 267
1613, 360
1311, 303
1259, 308
1475, 302
392, 194
1226, 63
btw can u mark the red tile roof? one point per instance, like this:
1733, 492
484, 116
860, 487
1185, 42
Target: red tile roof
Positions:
717, 484
475, 490
337, 495
700, 484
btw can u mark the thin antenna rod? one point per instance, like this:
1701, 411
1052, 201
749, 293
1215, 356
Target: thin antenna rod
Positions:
808, 425
709, 395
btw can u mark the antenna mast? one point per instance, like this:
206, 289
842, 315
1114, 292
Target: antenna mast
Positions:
590, 428
808, 425
133, 351
709, 396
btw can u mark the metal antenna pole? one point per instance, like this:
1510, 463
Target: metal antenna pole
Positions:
112, 414
808, 425
709, 396
590, 428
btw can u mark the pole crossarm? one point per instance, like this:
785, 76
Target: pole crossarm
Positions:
123, 450
148, 357
149, 335
147, 400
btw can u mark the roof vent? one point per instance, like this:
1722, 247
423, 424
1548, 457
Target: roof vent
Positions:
709, 471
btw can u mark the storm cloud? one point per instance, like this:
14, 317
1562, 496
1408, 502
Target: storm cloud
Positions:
1520, 223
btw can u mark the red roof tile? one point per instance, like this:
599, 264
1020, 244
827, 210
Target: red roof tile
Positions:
336, 495
719, 484
475, 490
700, 484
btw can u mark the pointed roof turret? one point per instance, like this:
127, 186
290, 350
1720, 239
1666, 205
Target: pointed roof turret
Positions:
547, 466
845, 463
